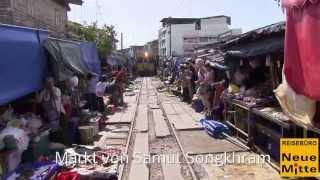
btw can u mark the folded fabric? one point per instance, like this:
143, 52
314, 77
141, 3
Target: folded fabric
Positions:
20, 135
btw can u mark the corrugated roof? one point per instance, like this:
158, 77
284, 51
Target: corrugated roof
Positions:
270, 30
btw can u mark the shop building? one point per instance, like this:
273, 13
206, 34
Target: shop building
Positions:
42, 14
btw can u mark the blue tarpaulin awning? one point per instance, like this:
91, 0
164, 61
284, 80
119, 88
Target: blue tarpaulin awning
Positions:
22, 61
90, 57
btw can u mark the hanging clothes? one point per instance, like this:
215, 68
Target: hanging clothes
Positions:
302, 47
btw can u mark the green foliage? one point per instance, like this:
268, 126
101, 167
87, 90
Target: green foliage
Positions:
103, 37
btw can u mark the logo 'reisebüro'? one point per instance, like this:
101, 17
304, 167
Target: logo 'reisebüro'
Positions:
299, 157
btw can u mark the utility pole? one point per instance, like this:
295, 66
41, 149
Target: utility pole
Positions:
170, 37
121, 41
170, 41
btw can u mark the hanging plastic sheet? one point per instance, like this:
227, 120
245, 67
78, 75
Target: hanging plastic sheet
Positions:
90, 57
66, 58
299, 108
23, 62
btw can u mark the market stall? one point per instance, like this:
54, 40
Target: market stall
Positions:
28, 144
256, 59
22, 73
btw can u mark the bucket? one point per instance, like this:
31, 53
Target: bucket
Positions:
94, 122
84, 117
86, 134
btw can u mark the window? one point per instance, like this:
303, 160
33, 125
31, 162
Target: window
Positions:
198, 25
204, 39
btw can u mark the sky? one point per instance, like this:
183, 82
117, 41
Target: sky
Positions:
139, 20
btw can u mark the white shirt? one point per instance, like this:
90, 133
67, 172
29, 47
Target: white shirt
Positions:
46, 96
101, 88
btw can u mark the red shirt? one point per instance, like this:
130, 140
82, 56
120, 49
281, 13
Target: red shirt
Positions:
121, 76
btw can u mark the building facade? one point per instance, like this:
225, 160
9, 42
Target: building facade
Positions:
42, 14
180, 36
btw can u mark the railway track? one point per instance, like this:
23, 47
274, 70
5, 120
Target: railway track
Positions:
164, 146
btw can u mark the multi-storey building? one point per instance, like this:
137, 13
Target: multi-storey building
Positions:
180, 36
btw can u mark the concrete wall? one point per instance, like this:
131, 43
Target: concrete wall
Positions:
5, 13
42, 14
213, 27
178, 32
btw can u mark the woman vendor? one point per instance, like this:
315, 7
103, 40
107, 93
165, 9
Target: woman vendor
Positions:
205, 89
50, 99
185, 78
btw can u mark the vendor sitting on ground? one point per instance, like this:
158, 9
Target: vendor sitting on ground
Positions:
250, 79
50, 99
71, 97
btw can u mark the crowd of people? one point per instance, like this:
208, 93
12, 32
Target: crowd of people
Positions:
60, 103
200, 81
205, 83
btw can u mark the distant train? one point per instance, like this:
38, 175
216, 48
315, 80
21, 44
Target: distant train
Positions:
147, 67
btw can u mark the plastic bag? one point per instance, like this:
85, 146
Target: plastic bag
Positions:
19, 134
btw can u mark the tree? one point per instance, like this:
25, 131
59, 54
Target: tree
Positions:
104, 37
